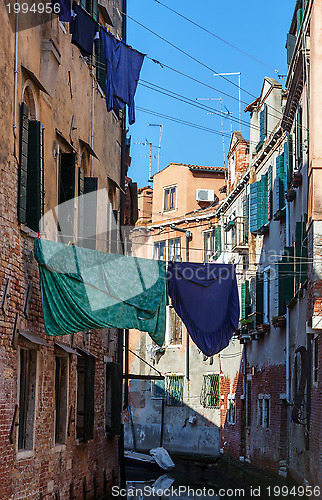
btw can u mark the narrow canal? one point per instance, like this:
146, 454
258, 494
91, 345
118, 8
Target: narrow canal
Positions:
205, 481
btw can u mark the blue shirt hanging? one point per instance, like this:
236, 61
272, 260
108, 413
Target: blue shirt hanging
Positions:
84, 29
205, 296
63, 9
123, 66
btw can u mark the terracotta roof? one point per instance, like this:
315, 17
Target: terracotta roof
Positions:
201, 168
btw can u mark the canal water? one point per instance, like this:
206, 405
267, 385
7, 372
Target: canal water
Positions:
207, 481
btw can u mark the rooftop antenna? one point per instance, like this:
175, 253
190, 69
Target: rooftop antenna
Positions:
148, 143
160, 137
239, 91
222, 121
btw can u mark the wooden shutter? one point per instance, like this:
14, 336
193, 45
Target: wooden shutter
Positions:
299, 19
288, 159
280, 182
23, 163
94, 11
285, 280
114, 231
134, 202
114, 406
299, 137
243, 300
290, 46
300, 254
263, 123
90, 211
100, 68
218, 248
270, 193
265, 198
259, 298
89, 398
35, 179
253, 207
80, 203
245, 219
260, 204
66, 192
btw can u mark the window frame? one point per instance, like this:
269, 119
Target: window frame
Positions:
230, 420
168, 397
20, 438
176, 257
203, 400
157, 246
165, 189
248, 401
266, 294
169, 327
66, 359
89, 397
152, 390
211, 235
264, 407
315, 360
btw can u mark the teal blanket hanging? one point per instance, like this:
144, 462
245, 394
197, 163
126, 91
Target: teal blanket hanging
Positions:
85, 289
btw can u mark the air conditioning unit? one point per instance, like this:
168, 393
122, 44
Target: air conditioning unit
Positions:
205, 195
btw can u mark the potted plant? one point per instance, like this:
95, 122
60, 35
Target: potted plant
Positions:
290, 195
264, 328
297, 179
279, 321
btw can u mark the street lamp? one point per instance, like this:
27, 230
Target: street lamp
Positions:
158, 125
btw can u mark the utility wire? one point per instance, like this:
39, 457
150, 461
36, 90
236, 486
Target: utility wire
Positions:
218, 37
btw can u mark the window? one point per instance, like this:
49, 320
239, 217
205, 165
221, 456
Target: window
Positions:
212, 244
232, 170
231, 411
66, 195
113, 399
266, 297
210, 390
263, 127
315, 364
91, 6
169, 200
27, 398
207, 245
174, 248
248, 402
175, 327
61, 394
259, 198
157, 389
160, 250
85, 397
31, 171
264, 411
174, 390
280, 183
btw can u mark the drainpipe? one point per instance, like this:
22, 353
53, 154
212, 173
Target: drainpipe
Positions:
287, 315
188, 238
16, 76
93, 116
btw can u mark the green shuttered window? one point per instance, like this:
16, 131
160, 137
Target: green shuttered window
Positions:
245, 300
245, 219
300, 254
280, 182
259, 203
31, 171
259, 298
285, 280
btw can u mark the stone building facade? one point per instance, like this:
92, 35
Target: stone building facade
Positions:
58, 143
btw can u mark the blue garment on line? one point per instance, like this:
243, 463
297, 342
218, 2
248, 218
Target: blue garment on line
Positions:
84, 29
123, 66
64, 9
205, 296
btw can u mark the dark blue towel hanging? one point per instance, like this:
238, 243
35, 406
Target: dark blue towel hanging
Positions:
63, 10
123, 66
205, 296
84, 29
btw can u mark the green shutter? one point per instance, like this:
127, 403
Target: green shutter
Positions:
265, 198
260, 204
269, 193
263, 124
253, 207
23, 163
35, 179
243, 300
300, 254
285, 280
95, 10
89, 398
280, 182
90, 211
299, 136
288, 159
218, 248
299, 19
259, 298
245, 219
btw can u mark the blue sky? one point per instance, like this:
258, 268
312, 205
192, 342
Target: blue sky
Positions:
258, 28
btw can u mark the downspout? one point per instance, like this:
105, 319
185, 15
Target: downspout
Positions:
93, 118
188, 237
16, 77
287, 314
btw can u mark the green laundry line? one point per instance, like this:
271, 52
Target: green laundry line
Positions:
85, 289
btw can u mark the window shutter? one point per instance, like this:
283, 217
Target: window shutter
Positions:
90, 211
269, 193
218, 248
285, 280
280, 182
260, 204
114, 406
299, 149
66, 192
259, 298
243, 300
95, 10
89, 398
114, 232
80, 202
299, 19
253, 207
35, 178
23, 163
245, 219
288, 159
290, 46
263, 123
100, 68
300, 254
265, 198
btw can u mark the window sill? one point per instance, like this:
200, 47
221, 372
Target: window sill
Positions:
59, 448
28, 231
24, 454
174, 346
169, 211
